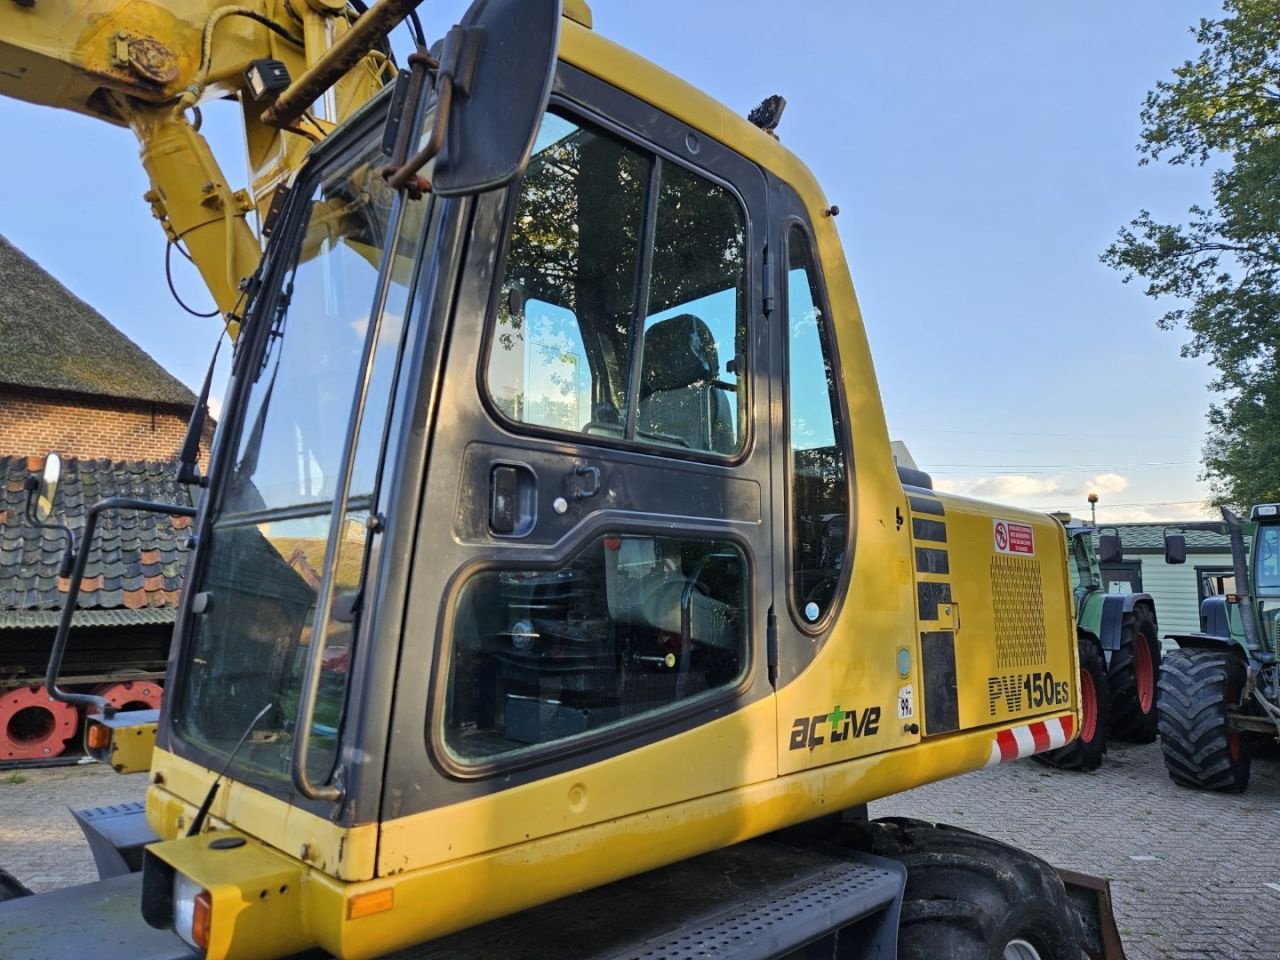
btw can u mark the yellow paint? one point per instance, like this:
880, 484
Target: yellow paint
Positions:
179, 785
257, 895
578, 12
432, 901
81, 57
131, 747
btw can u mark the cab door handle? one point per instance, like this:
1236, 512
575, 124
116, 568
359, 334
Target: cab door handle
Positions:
587, 481
513, 500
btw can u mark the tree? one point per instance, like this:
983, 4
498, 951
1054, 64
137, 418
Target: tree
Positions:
1222, 265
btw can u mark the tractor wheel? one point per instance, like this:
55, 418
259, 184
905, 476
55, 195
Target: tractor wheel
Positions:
1086, 751
11, 888
1134, 677
1200, 749
969, 897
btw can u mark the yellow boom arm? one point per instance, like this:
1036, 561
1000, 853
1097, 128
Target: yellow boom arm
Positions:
149, 66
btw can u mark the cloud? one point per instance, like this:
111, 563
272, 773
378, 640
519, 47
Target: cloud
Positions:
1016, 486
1158, 513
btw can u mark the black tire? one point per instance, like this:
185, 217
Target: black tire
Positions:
1086, 751
1200, 750
1134, 678
11, 888
969, 897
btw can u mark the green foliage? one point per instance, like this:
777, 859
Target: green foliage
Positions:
1222, 266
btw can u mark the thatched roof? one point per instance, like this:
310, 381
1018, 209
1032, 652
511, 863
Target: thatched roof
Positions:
50, 339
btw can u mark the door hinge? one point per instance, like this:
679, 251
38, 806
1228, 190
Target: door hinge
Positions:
767, 284
771, 647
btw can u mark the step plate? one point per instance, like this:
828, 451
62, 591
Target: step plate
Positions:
753, 901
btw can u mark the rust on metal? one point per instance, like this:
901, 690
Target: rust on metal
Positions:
152, 60
406, 175
1091, 896
337, 60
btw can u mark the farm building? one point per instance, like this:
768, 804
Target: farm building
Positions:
70, 382
1177, 588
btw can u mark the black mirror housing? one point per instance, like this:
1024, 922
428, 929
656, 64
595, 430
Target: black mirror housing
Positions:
1109, 548
1175, 548
501, 59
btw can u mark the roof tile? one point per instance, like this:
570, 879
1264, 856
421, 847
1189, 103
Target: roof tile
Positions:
29, 558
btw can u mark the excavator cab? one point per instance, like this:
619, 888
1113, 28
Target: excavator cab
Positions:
552, 534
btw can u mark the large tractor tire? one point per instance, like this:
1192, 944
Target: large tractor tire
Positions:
1134, 678
1086, 751
1200, 750
11, 888
969, 897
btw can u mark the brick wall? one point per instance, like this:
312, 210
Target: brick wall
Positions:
32, 423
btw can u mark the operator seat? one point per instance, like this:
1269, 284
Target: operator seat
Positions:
680, 398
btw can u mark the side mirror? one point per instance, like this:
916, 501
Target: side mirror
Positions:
1175, 548
48, 488
1109, 548
503, 64
492, 84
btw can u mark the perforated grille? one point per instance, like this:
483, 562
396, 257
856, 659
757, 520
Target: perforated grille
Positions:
750, 929
1019, 611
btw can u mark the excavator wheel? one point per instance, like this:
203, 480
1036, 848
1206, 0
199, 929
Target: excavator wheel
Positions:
1086, 751
1134, 676
970, 897
1200, 748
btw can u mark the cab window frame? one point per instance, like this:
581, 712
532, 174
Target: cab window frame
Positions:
580, 113
819, 628
625, 735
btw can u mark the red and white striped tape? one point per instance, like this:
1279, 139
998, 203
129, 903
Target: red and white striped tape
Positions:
1033, 738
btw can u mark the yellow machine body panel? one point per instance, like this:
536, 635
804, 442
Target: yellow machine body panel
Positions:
954, 630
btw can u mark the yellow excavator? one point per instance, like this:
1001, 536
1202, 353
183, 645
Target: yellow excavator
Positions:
553, 591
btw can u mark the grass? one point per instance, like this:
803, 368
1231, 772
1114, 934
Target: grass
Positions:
14, 778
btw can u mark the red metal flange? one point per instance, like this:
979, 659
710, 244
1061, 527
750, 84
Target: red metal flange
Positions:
33, 725
132, 694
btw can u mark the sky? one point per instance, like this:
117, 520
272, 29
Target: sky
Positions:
982, 155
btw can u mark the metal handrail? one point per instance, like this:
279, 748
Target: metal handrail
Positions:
73, 592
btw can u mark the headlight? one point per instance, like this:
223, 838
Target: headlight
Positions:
192, 909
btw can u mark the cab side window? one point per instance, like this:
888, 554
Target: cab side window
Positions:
818, 468
630, 626
623, 311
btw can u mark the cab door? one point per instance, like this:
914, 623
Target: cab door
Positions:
591, 588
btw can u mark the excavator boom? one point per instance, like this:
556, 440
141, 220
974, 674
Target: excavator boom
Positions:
149, 67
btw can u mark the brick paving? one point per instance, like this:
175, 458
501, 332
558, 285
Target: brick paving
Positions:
1188, 871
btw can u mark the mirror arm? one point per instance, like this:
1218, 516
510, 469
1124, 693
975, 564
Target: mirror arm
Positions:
402, 177
73, 593
32, 485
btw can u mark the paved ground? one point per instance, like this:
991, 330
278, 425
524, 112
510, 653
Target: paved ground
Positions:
1194, 876
1190, 872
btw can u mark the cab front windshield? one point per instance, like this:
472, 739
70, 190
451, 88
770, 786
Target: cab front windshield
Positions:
264, 548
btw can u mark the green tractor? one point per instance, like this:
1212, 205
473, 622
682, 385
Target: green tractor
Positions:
1119, 653
1220, 689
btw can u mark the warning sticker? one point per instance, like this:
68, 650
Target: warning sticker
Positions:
906, 702
1010, 537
